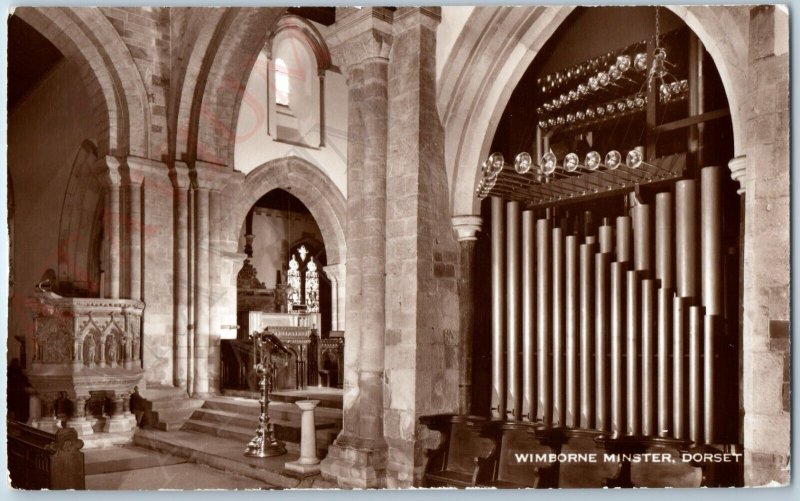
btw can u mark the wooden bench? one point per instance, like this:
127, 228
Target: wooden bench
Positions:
464, 458
41, 460
528, 439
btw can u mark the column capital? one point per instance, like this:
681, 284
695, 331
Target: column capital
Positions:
467, 227
360, 34
738, 167
137, 169
179, 175
210, 176
406, 18
335, 272
108, 171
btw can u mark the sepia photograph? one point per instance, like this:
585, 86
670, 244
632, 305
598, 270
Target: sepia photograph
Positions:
496, 247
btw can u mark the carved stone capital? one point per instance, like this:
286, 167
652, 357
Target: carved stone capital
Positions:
210, 176
467, 227
738, 167
406, 18
360, 34
335, 272
136, 169
179, 175
109, 171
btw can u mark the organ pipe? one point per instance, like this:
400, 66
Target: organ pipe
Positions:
664, 374
587, 294
665, 229
605, 234
710, 327
679, 323
642, 236
543, 309
623, 239
558, 326
571, 325
528, 316
648, 351
513, 302
686, 238
632, 374
695, 341
498, 318
711, 239
601, 333
617, 332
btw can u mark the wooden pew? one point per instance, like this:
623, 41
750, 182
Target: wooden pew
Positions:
41, 460
465, 458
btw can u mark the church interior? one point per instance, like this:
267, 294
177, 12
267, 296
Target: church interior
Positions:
379, 247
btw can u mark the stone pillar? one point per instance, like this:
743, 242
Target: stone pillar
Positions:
308, 462
118, 422
208, 179
201, 293
336, 273
361, 41
216, 293
109, 174
422, 304
48, 421
78, 419
466, 228
767, 270
180, 181
34, 409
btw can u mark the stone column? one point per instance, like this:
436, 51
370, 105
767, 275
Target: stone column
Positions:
78, 419
180, 182
109, 174
767, 250
336, 274
467, 228
422, 305
34, 408
360, 41
208, 178
216, 294
48, 421
117, 422
308, 462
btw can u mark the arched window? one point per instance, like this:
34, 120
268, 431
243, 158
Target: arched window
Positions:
299, 60
282, 86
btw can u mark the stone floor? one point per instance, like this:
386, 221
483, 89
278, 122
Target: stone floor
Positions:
135, 468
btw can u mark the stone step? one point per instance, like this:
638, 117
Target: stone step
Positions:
277, 410
276, 417
171, 404
172, 419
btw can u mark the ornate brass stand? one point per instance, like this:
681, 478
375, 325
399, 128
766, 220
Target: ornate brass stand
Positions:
264, 444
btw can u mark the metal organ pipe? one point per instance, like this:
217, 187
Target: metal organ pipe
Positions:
686, 238
513, 302
695, 341
498, 317
680, 327
543, 309
571, 328
558, 326
528, 316
632, 345
642, 237
648, 351
711, 239
664, 335
665, 229
605, 234
601, 333
617, 330
623, 239
587, 294
710, 328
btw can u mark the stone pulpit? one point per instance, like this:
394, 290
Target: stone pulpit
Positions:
86, 362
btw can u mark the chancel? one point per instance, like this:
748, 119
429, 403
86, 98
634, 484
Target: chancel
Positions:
393, 247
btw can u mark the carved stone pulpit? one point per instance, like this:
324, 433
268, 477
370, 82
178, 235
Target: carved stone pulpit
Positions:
84, 349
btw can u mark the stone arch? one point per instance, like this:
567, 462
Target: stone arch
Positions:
80, 212
496, 46
215, 79
112, 81
309, 184
305, 31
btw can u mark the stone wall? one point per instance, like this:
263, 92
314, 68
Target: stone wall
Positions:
767, 252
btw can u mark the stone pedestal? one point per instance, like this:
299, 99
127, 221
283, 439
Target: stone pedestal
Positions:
118, 422
78, 420
308, 463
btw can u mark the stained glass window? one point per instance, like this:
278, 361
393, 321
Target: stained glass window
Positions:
312, 286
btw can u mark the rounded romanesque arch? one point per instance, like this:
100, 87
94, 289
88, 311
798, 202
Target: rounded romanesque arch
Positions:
496, 46
213, 83
112, 81
306, 182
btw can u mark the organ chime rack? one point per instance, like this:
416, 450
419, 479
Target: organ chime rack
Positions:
617, 330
